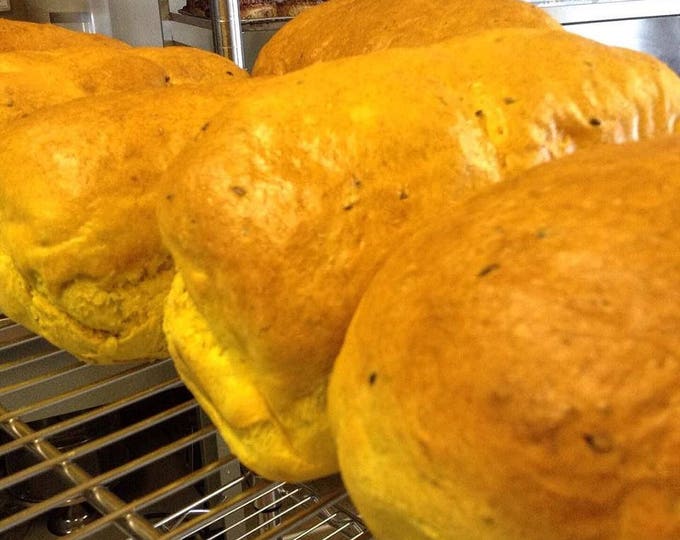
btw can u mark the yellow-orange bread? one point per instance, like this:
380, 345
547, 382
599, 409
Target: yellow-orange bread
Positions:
340, 28
30, 36
189, 65
513, 371
31, 80
286, 204
81, 260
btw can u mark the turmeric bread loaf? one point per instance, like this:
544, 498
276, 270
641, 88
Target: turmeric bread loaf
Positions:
81, 261
32, 80
340, 28
279, 214
513, 371
188, 65
30, 36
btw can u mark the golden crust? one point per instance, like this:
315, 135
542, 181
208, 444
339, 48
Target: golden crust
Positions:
32, 80
258, 10
293, 8
188, 65
513, 371
341, 28
29, 36
82, 260
278, 442
283, 209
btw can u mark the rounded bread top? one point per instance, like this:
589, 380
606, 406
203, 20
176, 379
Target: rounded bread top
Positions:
286, 204
30, 36
513, 370
341, 28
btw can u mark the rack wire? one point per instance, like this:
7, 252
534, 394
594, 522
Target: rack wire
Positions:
125, 452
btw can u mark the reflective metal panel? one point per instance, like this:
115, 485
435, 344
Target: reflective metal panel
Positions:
658, 36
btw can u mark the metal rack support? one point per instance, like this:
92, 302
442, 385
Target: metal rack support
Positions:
226, 22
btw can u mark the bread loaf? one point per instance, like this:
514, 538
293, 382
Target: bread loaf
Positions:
32, 80
81, 261
30, 36
293, 8
257, 9
188, 65
280, 213
513, 371
341, 28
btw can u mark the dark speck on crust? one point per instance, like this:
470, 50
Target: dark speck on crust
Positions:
595, 122
488, 520
238, 190
598, 443
372, 378
488, 269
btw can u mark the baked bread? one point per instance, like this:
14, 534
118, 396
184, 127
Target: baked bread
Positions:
513, 371
189, 65
196, 8
257, 9
30, 36
248, 9
293, 8
341, 28
282, 210
81, 261
31, 80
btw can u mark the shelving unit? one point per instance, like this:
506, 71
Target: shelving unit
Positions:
240, 40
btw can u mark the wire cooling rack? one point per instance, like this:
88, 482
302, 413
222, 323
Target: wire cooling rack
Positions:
125, 451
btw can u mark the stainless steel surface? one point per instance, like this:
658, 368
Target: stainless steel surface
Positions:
226, 24
191, 20
650, 26
175, 478
235, 36
658, 36
575, 11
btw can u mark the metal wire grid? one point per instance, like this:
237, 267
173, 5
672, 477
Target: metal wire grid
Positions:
219, 499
